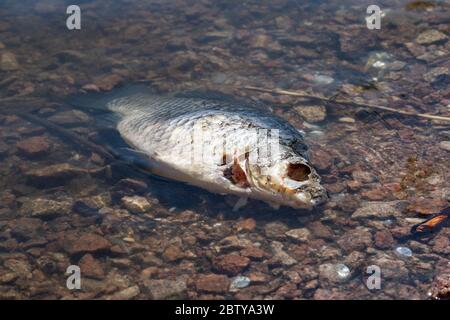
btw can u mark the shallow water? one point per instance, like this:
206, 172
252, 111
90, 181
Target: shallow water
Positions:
385, 172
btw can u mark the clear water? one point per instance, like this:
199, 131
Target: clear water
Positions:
399, 162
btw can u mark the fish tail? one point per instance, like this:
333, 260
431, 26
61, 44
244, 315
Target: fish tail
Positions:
97, 102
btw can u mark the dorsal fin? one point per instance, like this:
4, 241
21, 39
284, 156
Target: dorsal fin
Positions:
209, 95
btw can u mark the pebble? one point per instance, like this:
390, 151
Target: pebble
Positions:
90, 267
312, 113
8, 62
356, 239
444, 145
299, 235
231, 264
322, 79
436, 73
136, 204
88, 242
70, 118
430, 36
380, 210
383, 239
280, 256
346, 120
125, 294
57, 174
239, 282
213, 283
173, 253
162, 289
343, 271
403, 251
334, 273
34, 146
45, 208
275, 230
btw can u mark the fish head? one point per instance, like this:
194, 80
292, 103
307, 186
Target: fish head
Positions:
290, 182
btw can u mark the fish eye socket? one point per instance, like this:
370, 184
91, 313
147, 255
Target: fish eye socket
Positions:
298, 171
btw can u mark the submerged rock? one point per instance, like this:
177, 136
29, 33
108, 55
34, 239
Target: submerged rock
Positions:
8, 62
213, 283
231, 264
299, 235
90, 267
162, 289
430, 36
239, 282
87, 242
312, 113
57, 174
70, 118
34, 146
45, 208
380, 210
136, 204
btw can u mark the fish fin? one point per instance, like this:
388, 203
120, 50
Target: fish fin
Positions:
209, 95
242, 202
96, 103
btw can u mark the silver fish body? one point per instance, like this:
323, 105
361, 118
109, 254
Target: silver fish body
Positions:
218, 143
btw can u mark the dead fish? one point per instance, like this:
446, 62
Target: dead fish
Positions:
212, 141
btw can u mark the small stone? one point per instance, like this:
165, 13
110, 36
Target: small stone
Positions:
299, 235
88, 242
45, 208
173, 253
430, 36
334, 273
166, 289
346, 120
383, 239
57, 174
312, 113
213, 283
436, 73
136, 204
8, 277
280, 256
239, 282
108, 82
90, 267
342, 271
357, 239
441, 244
441, 285
24, 229
8, 62
380, 210
125, 294
445, 145
318, 229
34, 146
70, 118
275, 230
246, 225
403, 251
253, 253
231, 263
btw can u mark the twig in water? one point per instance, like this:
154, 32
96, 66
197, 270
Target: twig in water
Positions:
347, 102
